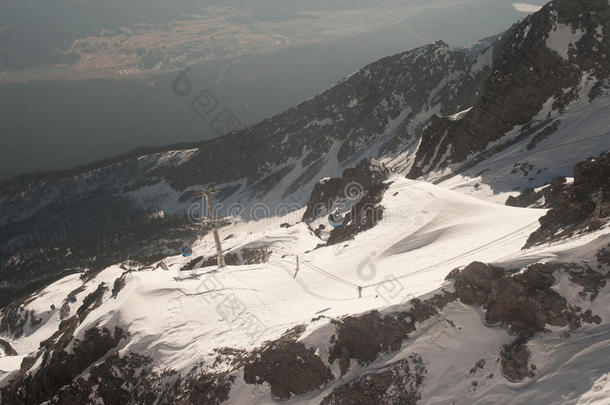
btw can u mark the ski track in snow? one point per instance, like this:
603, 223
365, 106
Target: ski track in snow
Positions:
179, 317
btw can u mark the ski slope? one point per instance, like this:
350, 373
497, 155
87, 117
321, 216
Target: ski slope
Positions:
179, 317
426, 232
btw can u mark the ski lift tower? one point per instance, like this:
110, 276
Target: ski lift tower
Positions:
206, 194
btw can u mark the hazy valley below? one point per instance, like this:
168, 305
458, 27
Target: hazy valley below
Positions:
50, 123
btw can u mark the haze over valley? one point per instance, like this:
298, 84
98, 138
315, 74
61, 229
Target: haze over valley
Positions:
88, 80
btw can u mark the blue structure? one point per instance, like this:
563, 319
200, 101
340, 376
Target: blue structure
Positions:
335, 220
187, 251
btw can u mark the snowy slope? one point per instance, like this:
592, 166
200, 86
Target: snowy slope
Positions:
583, 130
179, 317
379, 110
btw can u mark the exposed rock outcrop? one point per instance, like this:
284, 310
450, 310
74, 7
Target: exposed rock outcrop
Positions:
603, 256
396, 385
523, 302
349, 188
13, 320
366, 336
592, 281
526, 74
516, 360
119, 284
288, 367
202, 388
547, 197
7, 348
59, 367
575, 208
364, 215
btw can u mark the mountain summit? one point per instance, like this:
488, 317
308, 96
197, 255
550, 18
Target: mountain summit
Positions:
551, 59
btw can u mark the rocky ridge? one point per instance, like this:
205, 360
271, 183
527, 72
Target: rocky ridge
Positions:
534, 67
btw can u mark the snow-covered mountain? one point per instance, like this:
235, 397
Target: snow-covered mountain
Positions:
553, 61
535, 98
83, 214
263, 333
432, 292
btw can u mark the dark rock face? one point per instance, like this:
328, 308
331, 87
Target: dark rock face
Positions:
116, 381
91, 301
590, 280
198, 262
526, 73
65, 307
134, 380
526, 199
516, 360
7, 348
548, 197
591, 176
203, 389
59, 367
247, 256
474, 283
13, 321
351, 186
574, 209
397, 385
513, 301
603, 256
524, 302
360, 188
118, 285
364, 337
364, 215
289, 368
37, 264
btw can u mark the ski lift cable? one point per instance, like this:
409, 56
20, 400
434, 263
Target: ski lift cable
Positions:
311, 292
451, 259
412, 274
339, 279
333, 276
320, 270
